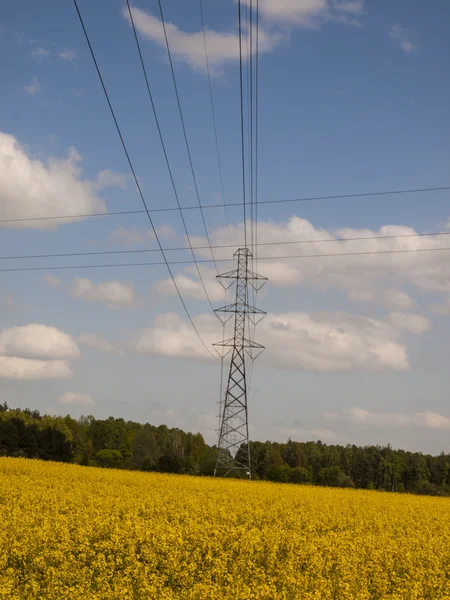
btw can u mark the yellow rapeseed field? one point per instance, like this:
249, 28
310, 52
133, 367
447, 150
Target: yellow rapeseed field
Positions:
79, 533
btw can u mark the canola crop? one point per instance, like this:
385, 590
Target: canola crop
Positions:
79, 533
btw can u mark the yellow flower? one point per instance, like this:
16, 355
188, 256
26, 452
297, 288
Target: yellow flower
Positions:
77, 533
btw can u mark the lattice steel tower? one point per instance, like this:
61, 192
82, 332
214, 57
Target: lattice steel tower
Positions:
233, 455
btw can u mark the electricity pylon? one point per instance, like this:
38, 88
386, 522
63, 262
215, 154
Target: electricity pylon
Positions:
233, 455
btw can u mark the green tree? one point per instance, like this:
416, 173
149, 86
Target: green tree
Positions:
146, 451
279, 473
299, 475
335, 477
111, 459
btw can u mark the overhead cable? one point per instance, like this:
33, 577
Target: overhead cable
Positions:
213, 112
229, 204
222, 246
242, 124
166, 262
166, 155
194, 178
222, 260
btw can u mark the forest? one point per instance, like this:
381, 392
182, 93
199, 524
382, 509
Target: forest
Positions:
116, 443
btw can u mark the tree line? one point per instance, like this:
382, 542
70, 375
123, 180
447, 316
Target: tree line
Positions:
120, 444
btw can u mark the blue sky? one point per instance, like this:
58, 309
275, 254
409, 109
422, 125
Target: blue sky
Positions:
353, 98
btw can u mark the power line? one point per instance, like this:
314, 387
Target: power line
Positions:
250, 112
182, 122
229, 204
220, 260
136, 179
166, 155
223, 246
213, 112
242, 123
256, 131
249, 40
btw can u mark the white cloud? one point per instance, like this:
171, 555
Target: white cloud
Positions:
107, 179
403, 37
37, 341
409, 322
324, 342
359, 415
34, 87
74, 398
172, 336
35, 352
69, 55
166, 231
310, 13
13, 367
191, 287
353, 6
116, 294
391, 298
433, 420
223, 47
397, 299
331, 342
277, 19
52, 281
368, 277
33, 188
99, 343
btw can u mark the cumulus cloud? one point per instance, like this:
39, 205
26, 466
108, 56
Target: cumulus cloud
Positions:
324, 341
409, 322
369, 277
171, 336
37, 341
99, 343
115, 294
36, 352
277, 19
403, 37
332, 342
223, 47
32, 188
107, 179
166, 231
359, 415
74, 398
13, 367
310, 13
396, 299
34, 87
191, 287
